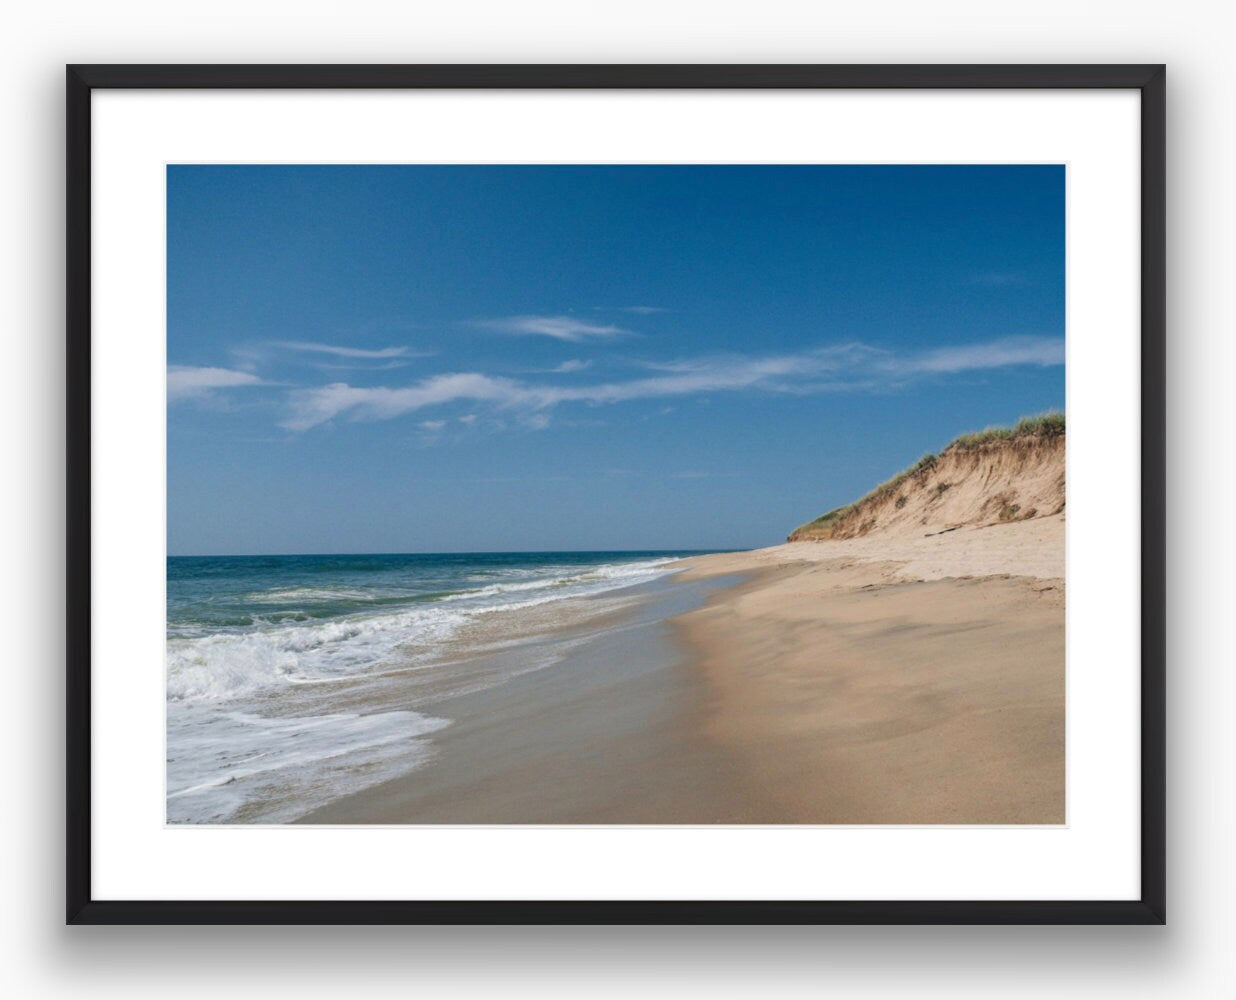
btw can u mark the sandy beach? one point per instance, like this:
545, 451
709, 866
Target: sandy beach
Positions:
612, 734
893, 680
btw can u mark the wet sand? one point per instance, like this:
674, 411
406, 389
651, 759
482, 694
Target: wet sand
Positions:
610, 735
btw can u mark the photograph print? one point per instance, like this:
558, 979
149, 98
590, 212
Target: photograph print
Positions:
633, 494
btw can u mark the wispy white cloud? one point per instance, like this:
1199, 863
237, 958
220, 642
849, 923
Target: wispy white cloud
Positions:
565, 368
340, 351
385, 366
189, 382
634, 310
1041, 351
846, 367
310, 407
559, 327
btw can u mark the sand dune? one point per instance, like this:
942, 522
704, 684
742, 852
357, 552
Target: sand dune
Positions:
976, 480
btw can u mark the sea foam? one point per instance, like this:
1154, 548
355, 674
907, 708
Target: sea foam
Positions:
255, 730
235, 661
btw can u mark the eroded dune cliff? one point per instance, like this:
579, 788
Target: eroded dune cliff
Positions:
995, 476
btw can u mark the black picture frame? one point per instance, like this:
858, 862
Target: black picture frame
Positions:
1148, 80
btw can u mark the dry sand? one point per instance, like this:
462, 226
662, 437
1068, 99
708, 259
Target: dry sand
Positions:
893, 679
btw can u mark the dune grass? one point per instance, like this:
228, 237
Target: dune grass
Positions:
1049, 424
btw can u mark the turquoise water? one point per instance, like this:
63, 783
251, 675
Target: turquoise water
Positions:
294, 679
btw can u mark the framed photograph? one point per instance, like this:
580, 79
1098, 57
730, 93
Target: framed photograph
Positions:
615, 494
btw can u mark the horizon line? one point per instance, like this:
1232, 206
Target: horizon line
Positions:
448, 552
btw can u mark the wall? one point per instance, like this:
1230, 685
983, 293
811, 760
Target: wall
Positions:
1189, 958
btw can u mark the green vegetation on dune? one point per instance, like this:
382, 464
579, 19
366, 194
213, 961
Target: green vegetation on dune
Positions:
1044, 425
1049, 424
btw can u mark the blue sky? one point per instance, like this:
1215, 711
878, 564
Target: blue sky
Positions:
478, 358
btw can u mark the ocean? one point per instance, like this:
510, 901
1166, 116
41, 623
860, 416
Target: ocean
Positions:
293, 680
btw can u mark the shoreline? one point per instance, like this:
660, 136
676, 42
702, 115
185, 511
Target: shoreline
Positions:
607, 735
886, 681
